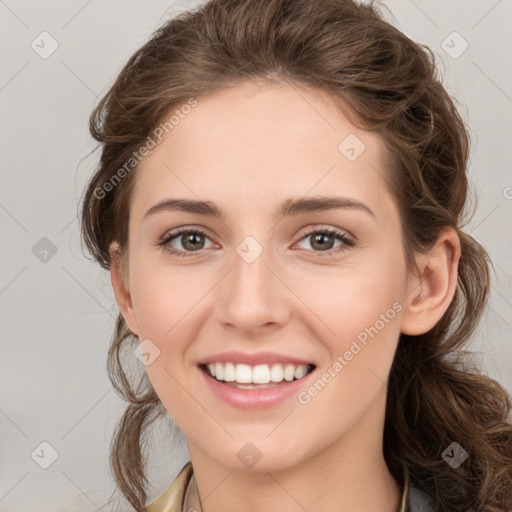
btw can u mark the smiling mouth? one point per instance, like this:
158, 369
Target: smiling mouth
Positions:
261, 376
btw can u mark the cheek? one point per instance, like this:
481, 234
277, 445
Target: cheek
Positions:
360, 357
352, 298
168, 303
163, 297
166, 315
361, 308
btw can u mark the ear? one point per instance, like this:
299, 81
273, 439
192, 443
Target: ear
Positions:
119, 279
432, 291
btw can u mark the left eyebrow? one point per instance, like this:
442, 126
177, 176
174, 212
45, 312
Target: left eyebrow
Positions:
319, 203
291, 206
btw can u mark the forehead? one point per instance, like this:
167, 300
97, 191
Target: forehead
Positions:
256, 140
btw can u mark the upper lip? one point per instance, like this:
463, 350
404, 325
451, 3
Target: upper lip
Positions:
253, 359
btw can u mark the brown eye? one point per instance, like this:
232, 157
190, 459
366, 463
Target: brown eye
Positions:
323, 240
189, 241
192, 241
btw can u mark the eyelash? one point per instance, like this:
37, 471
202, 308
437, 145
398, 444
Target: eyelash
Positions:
347, 242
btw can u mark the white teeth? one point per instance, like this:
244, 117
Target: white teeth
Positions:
259, 374
229, 372
219, 371
301, 371
243, 374
276, 373
289, 372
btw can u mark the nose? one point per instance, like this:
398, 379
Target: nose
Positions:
253, 296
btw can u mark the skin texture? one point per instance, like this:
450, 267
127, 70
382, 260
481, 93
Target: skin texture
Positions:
247, 149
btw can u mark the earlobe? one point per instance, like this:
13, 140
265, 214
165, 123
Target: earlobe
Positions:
432, 291
119, 282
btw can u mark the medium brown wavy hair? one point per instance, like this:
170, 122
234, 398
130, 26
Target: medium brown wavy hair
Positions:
391, 85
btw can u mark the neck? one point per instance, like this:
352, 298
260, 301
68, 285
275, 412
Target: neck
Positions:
348, 475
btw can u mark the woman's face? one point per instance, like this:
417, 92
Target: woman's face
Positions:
260, 285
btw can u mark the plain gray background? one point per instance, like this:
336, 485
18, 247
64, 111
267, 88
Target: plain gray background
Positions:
57, 308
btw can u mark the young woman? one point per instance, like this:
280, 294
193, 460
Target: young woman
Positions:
280, 204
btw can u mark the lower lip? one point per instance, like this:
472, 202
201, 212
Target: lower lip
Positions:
261, 398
